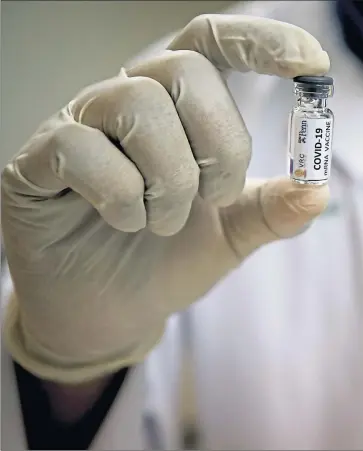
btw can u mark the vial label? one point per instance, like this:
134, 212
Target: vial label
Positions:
310, 151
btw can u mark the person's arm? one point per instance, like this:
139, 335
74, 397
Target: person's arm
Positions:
69, 403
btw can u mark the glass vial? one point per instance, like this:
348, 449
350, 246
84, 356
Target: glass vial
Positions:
311, 131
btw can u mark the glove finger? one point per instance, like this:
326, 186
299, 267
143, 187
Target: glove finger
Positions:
271, 210
215, 129
245, 43
139, 113
74, 156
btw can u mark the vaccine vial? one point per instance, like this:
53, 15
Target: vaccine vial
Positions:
311, 131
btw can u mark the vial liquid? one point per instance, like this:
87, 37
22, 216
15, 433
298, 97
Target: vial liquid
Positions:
311, 131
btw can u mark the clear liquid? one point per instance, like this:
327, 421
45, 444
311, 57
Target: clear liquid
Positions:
307, 109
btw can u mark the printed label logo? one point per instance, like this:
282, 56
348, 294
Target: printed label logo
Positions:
300, 173
303, 132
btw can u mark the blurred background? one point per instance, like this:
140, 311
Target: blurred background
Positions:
52, 49
269, 375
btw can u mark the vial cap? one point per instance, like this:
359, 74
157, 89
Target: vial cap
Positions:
314, 80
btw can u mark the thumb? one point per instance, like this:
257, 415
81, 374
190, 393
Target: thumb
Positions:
271, 210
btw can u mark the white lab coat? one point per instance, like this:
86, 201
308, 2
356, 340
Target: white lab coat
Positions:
123, 429
277, 345
126, 426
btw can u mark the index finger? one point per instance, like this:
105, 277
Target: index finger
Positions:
246, 43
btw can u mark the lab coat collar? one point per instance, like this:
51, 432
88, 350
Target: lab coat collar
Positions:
122, 429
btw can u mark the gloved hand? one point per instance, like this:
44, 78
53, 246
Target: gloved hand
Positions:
130, 204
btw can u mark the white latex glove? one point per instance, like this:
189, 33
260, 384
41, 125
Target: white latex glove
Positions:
105, 243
